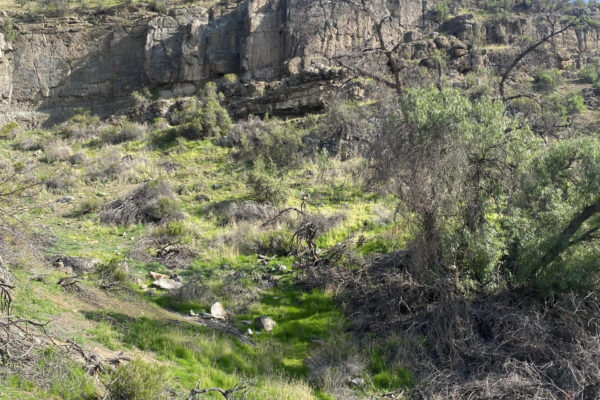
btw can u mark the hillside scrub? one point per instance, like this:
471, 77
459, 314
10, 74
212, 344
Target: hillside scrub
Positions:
411, 230
151, 202
465, 152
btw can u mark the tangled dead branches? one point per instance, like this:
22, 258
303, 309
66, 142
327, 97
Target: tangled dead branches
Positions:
302, 244
510, 345
17, 341
70, 283
238, 392
6, 297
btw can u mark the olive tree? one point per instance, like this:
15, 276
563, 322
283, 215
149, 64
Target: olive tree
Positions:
450, 162
555, 218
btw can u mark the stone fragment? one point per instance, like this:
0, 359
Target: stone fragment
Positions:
156, 275
265, 323
167, 284
218, 311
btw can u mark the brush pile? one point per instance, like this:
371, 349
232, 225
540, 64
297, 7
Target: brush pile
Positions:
152, 202
508, 345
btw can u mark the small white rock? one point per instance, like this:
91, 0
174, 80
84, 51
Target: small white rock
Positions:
218, 311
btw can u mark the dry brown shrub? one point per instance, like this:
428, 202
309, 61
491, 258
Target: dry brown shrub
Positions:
152, 202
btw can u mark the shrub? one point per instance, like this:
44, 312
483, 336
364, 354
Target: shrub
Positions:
151, 202
127, 132
249, 239
555, 216
266, 186
440, 10
333, 365
231, 78
249, 211
111, 271
57, 152
112, 165
78, 158
434, 151
88, 206
279, 142
8, 130
589, 74
138, 380
9, 30
202, 117
60, 181
546, 81
63, 377
32, 140
81, 126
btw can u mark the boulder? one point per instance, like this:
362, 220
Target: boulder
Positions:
77, 265
167, 284
457, 52
460, 26
218, 311
412, 36
156, 275
264, 323
442, 42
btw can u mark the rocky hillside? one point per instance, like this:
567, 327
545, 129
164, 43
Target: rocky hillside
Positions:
299, 200
282, 56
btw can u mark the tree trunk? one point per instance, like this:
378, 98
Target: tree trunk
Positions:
563, 241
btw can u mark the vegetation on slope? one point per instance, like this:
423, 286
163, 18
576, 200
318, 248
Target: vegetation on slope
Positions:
420, 245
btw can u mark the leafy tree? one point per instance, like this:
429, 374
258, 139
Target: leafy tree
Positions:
449, 161
555, 221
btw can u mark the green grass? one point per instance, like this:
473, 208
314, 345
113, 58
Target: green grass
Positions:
205, 174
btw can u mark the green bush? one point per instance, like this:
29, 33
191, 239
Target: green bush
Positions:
440, 154
265, 185
7, 130
589, 74
173, 229
574, 104
112, 271
138, 380
87, 206
546, 81
10, 32
555, 214
203, 117
280, 142
128, 131
441, 10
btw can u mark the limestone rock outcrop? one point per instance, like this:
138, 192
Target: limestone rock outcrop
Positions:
55, 65
284, 52
6, 69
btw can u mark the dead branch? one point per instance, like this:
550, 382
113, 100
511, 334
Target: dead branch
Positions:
6, 298
69, 283
531, 48
238, 392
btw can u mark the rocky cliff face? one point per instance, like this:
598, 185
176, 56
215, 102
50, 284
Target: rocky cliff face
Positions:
97, 61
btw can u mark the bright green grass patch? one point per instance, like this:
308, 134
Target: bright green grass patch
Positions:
386, 375
218, 360
27, 301
397, 378
103, 333
14, 387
